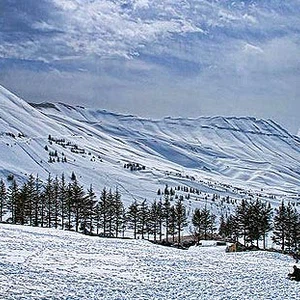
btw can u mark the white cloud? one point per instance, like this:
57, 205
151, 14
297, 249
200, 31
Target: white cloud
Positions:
223, 54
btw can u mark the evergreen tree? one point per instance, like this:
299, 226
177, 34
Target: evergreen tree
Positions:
295, 234
166, 190
30, 200
160, 220
102, 211
119, 213
110, 213
143, 217
279, 232
172, 223
69, 207
203, 221
20, 205
242, 218
49, 202
153, 220
263, 212
166, 211
79, 203
56, 203
73, 176
291, 227
197, 223
37, 202
13, 194
133, 217
91, 211
3, 199
181, 219
63, 198
222, 227
230, 228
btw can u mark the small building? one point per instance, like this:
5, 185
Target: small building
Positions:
236, 247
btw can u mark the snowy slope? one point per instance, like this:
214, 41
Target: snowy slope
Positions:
17, 116
258, 152
39, 263
215, 154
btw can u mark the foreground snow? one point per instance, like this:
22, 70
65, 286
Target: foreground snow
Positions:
40, 263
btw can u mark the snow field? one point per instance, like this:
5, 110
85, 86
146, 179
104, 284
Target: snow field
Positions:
38, 263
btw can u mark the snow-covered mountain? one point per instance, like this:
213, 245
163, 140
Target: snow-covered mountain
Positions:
233, 155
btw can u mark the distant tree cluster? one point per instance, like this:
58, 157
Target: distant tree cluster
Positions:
60, 204
252, 221
286, 232
134, 166
204, 222
158, 220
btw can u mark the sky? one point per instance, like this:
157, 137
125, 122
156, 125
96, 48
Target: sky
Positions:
156, 58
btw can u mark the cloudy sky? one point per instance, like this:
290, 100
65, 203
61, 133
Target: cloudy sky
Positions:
156, 58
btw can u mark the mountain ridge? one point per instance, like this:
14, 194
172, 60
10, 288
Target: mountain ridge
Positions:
57, 106
204, 152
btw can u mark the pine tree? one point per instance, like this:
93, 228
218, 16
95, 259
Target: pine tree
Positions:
230, 228
166, 211
63, 198
20, 205
30, 199
166, 190
143, 217
222, 227
73, 176
295, 235
37, 202
133, 217
197, 223
265, 220
79, 203
160, 219
91, 212
203, 221
102, 212
56, 202
212, 227
3, 199
110, 213
49, 202
69, 207
13, 195
153, 220
286, 227
291, 227
279, 232
242, 218
119, 213
172, 223
181, 219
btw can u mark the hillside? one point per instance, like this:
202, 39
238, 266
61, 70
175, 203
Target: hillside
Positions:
39, 263
235, 156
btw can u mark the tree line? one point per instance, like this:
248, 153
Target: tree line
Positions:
66, 205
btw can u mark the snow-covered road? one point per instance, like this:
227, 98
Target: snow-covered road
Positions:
38, 263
